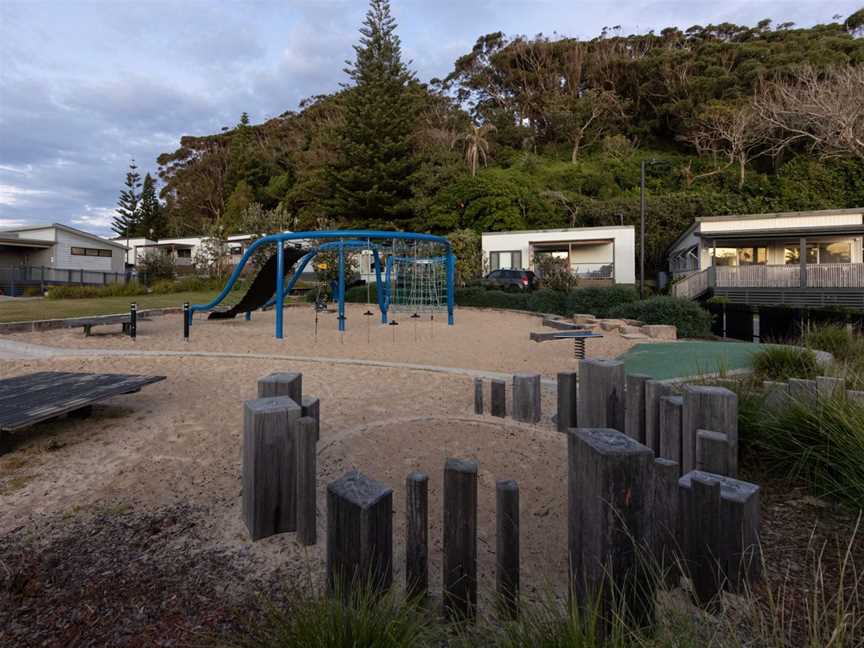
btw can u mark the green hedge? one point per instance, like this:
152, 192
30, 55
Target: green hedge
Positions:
691, 319
134, 289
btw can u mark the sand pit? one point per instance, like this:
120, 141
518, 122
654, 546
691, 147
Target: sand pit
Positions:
480, 339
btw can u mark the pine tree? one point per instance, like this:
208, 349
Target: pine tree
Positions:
370, 182
151, 223
126, 221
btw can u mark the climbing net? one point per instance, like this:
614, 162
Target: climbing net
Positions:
418, 278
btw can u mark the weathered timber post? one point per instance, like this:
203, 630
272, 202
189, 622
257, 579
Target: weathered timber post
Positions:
828, 388
666, 550
507, 546
654, 391
359, 534
709, 408
460, 539
776, 393
417, 535
601, 394
498, 398
478, 396
568, 393
311, 407
704, 542
671, 411
802, 390
740, 553
609, 470
526, 397
712, 452
855, 396
288, 384
307, 481
634, 422
269, 477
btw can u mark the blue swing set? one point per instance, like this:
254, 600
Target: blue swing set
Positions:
391, 288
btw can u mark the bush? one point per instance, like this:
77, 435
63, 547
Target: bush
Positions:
32, 291
836, 340
154, 267
691, 319
129, 289
600, 302
784, 362
482, 298
554, 272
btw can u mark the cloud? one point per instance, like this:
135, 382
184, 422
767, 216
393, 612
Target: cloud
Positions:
95, 217
11, 195
8, 223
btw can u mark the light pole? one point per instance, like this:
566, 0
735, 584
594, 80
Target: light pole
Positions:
645, 163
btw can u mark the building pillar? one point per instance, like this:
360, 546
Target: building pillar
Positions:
802, 259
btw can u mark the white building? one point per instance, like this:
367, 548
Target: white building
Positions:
592, 253
41, 255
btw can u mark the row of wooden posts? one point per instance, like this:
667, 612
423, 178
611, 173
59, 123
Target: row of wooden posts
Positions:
665, 510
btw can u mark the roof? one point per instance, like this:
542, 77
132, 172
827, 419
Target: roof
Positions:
17, 241
565, 230
770, 215
66, 228
788, 233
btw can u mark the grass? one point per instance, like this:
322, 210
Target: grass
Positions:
784, 362
37, 309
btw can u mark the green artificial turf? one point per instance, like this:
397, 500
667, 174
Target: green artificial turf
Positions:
690, 358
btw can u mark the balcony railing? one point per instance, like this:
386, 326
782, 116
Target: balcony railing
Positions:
593, 270
821, 275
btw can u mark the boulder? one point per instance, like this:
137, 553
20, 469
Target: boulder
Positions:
584, 318
661, 331
631, 329
612, 324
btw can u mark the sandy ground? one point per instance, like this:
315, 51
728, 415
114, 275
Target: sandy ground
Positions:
480, 339
179, 442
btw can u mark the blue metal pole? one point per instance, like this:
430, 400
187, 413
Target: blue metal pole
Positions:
379, 287
248, 315
451, 276
388, 283
341, 287
280, 287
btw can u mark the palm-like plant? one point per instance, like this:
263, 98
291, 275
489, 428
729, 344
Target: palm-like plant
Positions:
476, 144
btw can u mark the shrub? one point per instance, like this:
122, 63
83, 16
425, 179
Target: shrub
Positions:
482, 298
154, 267
32, 291
600, 301
784, 362
547, 300
129, 289
836, 340
554, 272
691, 319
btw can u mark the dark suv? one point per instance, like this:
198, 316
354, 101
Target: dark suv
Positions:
511, 280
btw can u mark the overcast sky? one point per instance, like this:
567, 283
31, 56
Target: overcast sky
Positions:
85, 86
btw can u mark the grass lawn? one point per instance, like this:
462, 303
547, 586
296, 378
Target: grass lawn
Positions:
37, 309
691, 358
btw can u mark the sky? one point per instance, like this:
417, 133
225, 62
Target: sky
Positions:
85, 86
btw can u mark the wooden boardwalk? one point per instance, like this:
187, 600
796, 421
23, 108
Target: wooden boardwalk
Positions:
36, 397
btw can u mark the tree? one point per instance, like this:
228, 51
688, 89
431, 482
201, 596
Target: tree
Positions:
371, 179
821, 110
126, 221
240, 199
258, 223
476, 145
211, 257
466, 245
151, 223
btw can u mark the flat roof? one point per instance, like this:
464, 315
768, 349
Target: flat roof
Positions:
67, 228
565, 230
792, 232
17, 241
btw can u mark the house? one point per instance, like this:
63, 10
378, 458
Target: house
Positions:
595, 255
798, 259
183, 251
39, 255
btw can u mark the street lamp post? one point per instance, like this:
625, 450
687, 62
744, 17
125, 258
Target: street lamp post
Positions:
645, 163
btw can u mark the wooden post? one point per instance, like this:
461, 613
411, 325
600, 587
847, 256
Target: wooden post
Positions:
478, 396
776, 393
498, 397
269, 477
460, 539
802, 390
417, 535
855, 396
666, 550
828, 388
709, 408
634, 422
307, 481
712, 452
568, 393
311, 407
507, 546
601, 394
671, 413
654, 390
610, 484
704, 542
526, 397
359, 534
739, 553
282, 384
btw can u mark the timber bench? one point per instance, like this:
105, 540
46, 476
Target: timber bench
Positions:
87, 323
33, 398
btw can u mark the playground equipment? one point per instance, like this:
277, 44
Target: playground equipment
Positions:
413, 273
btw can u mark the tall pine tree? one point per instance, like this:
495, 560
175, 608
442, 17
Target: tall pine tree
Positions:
151, 221
126, 221
370, 182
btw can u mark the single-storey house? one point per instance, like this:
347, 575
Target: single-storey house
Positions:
800, 259
594, 254
40, 255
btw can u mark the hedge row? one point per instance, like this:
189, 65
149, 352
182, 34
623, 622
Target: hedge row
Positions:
135, 289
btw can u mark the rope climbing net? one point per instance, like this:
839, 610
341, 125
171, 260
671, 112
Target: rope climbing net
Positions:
418, 279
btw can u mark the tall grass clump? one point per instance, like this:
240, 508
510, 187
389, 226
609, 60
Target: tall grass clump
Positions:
780, 363
847, 349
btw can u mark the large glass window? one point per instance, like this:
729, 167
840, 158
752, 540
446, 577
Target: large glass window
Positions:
724, 256
512, 259
839, 252
740, 256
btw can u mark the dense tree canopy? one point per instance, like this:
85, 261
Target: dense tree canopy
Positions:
549, 132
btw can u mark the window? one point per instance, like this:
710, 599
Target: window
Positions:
821, 252
184, 253
494, 261
725, 256
740, 256
512, 259
94, 252
236, 250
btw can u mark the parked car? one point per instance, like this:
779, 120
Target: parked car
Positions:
511, 280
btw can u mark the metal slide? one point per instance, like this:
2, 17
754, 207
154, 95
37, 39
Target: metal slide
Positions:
263, 286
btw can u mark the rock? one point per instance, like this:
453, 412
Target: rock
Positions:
612, 324
584, 318
635, 336
660, 331
632, 329
633, 322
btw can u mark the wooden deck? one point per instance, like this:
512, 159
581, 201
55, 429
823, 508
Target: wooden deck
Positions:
36, 397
